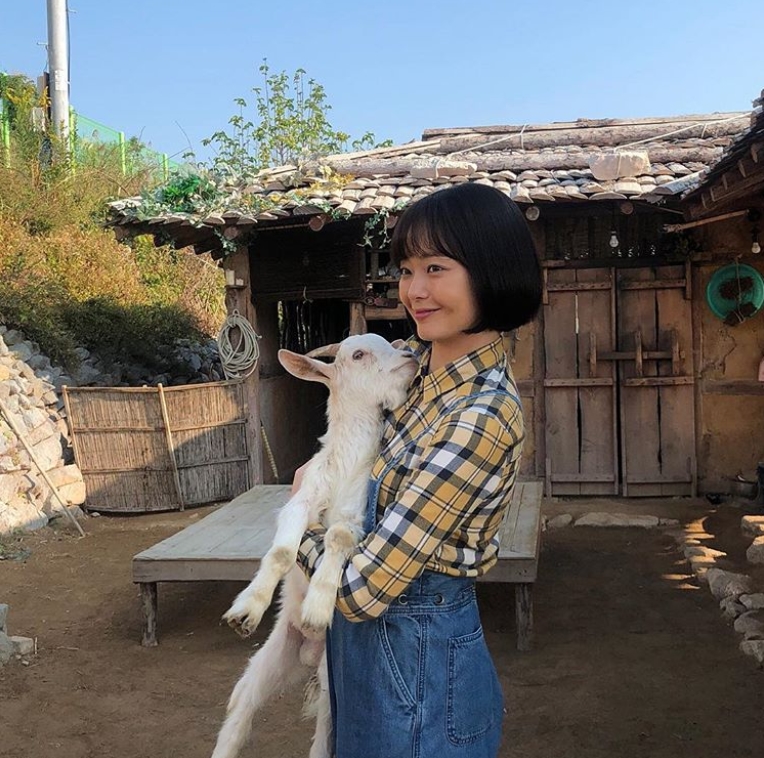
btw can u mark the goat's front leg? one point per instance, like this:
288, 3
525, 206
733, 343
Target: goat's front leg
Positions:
250, 604
318, 606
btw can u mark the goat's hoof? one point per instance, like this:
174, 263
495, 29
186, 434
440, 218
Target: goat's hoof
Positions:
238, 627
243, 621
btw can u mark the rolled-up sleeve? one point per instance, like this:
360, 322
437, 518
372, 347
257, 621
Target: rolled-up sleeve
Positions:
465, 471
311, 549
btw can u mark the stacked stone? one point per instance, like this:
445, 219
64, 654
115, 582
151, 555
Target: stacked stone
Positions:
184, 362
739, 598
11, 647
188, 362
28, 394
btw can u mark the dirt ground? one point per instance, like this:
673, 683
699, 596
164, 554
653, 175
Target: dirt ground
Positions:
631, 657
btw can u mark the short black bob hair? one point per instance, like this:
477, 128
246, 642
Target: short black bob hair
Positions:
485, 231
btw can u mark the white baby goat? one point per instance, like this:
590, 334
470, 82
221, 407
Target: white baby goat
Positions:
368, 376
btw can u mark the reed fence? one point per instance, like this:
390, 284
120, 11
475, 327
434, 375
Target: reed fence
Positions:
143, 449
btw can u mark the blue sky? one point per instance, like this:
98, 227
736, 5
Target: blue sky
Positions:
168, 70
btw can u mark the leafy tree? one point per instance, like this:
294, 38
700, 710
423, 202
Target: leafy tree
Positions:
292, 126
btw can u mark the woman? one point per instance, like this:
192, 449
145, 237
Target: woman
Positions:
414, 679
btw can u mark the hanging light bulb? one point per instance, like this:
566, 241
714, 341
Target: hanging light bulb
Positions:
613, 240
754, 216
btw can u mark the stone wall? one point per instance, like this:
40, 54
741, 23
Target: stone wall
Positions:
26, 500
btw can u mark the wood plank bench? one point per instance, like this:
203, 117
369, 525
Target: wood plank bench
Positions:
227, 545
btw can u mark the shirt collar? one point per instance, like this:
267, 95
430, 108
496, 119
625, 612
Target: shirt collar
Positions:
458, 372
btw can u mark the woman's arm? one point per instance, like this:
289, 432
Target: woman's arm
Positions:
464, 475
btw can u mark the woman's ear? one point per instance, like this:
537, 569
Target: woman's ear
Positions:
306, 368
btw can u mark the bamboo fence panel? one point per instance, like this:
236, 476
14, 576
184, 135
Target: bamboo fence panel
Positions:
144, 449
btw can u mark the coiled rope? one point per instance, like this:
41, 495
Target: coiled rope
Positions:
239, 361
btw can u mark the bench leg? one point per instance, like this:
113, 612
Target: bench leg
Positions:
524, 616
149, 602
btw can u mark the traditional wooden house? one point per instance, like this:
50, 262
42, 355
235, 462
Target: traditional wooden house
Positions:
608, 371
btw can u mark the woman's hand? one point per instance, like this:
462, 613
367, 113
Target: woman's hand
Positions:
297, 481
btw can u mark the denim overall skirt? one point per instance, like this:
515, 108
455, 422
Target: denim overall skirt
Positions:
417, 682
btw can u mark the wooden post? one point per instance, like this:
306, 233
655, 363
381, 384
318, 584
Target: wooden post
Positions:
170, 446
149, 603
240, 299
70, 423
524, 616
357, 319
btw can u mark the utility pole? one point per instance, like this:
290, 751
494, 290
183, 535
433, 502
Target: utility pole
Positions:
58, 67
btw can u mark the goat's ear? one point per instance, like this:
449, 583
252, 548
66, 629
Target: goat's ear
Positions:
328, 351
399, 344
306, 368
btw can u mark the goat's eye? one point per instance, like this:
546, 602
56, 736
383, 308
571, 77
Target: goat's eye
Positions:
357, 355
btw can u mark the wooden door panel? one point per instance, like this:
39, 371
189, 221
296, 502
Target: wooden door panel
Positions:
579, 403
656, 393
598, 444
677, 417
561, 401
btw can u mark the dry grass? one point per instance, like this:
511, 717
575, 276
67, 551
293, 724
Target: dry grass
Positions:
65, 281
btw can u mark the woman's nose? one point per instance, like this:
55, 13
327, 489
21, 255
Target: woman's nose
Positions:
417, 287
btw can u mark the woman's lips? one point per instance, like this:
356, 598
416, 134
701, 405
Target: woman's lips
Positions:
423, 314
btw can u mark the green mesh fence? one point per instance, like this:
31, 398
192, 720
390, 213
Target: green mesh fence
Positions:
5, 135
86, 132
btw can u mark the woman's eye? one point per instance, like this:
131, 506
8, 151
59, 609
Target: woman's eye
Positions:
405, 272
434, 268
357, 355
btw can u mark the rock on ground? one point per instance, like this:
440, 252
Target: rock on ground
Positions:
752, 525
725, 583
617, 520
755, 553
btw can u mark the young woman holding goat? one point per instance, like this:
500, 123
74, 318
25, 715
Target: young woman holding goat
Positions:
415, 678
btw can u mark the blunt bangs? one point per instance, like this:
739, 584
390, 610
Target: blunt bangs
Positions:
422, 232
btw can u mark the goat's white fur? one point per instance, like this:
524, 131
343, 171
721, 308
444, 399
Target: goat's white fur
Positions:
368, 375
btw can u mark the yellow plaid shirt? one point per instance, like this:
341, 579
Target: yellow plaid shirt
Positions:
447, 466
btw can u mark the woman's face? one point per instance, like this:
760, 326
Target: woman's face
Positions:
437, 292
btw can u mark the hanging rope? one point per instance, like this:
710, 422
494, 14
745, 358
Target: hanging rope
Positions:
239, 361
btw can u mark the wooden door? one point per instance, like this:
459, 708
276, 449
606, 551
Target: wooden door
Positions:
579, 391
618, 387
657, 407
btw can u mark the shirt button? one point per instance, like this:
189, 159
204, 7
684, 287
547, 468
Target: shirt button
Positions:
439, 599
403, 600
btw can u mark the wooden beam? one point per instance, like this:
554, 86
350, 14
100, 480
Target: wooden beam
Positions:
702, 222
582, 135
583, 123
240, 299
732, 387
